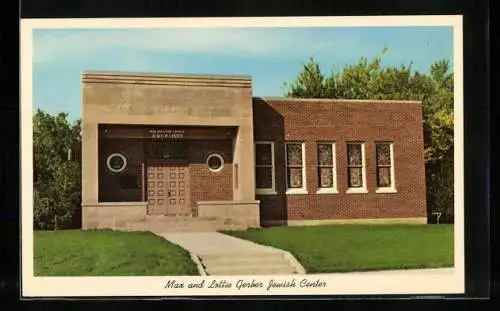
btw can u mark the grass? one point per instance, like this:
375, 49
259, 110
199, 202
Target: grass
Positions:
108, 253
346, 248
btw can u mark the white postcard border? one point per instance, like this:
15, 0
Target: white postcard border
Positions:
376, 283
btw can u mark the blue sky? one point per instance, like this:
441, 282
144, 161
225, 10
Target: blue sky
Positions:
270, 55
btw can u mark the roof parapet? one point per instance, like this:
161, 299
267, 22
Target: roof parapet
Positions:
337, 100
166, 79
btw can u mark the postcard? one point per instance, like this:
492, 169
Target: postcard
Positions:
242, 156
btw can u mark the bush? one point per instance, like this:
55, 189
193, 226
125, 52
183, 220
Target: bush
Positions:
440, 190
57, 202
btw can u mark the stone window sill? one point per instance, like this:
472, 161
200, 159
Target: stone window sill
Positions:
327, 191
296, 191
356, 190
386, 190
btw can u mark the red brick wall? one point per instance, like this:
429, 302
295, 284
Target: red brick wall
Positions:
310, 121
207, 185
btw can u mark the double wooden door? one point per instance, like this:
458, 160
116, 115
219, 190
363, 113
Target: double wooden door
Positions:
168, 189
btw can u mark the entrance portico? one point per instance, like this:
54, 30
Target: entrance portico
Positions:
167, 145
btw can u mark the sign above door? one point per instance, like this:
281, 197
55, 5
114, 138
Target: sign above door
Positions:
164, 132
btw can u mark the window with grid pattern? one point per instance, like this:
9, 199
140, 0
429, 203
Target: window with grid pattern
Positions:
264, 167
385, 175
326, 166
295, 166
355, 165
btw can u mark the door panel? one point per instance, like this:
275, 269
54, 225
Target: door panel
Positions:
157, 192
177, 187
168, 189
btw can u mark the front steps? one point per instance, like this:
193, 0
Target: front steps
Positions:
265, 263
163, 224
219, 254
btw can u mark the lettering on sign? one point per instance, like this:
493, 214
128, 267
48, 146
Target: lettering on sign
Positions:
166, 133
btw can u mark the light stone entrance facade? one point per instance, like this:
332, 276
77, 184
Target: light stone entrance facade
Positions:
125, 116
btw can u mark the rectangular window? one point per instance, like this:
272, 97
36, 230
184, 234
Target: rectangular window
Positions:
295, 168
385, 167
264, 168
327, 177
356, 173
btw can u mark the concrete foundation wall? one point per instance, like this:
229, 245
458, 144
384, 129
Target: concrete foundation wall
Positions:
366, 221
112, 215
244, 214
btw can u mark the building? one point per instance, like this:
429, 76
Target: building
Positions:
203, 146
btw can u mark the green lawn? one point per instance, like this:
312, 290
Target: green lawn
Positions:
344, 248
108, 253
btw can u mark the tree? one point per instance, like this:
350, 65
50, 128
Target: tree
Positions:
371, 80
57, 182
311, 83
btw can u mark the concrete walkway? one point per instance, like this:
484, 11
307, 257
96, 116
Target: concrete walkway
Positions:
209, 243
220, 254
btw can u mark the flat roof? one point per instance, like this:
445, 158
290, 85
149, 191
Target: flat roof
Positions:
210, 79
162, 75
335, 100
172, 79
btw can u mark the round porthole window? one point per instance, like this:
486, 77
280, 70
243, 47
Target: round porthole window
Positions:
116, 162
215, 162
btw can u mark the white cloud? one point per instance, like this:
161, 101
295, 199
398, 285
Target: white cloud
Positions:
77, 44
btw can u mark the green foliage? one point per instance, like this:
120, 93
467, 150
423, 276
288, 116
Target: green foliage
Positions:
371, 80
57, 183
311, 83
440, 184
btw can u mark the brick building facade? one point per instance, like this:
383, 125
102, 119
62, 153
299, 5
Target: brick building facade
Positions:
203, 146
329, 126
